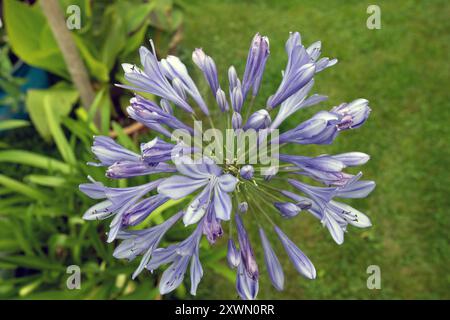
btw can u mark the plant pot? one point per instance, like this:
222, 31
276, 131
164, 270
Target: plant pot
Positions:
34, 79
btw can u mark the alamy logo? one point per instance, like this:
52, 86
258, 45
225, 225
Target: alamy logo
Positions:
374, 280
374, 20
74, 280
230, 147
74, 19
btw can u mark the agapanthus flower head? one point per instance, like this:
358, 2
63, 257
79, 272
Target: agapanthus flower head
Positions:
224, 186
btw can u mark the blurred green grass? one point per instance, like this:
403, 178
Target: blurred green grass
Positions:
403, 70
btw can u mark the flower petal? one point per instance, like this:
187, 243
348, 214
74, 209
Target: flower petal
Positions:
197, 208
222, 204
298, 258
197, 169
333, 226
233, 254
177, 187
246, 286
196, 273
273, 264
99, 211
173, 276
357, 218
357, 189
227, 182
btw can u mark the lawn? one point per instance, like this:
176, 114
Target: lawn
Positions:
403, 71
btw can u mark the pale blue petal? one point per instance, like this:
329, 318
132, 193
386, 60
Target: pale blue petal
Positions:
222, 204
273, 264
177, 187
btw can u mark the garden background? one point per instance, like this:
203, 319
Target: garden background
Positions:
402, 69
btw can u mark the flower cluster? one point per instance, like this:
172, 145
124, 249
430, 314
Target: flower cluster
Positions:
216, 193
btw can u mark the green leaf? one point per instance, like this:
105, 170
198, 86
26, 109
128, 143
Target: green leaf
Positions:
22, 188
83, 115
165, 17
134, 15
33, 262
134, 42
123, 138
79, 129
115, 40
106, 115
34, 160
31, 38
96, 67
8, 245
96, 104
59, 100
58, 135
223, 270
99, 246
24, 242
29, 288
12, 201
13, 124
48, 181
57, 294
103, 102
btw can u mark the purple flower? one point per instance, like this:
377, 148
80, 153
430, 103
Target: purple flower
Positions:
137, 242
179, 255
256, 62
327, 169
158, 150
208, 67
243, 207
353, 114
299, 71
247, 254
174, 69
109, 152
117, 202
287, 209
335, 216
296, 102
320, 129
233, 80
247, 172
301, 262
210, 190
128, 169
246, 286
314, 51
204, 173
236, 121
154, 117
222, 100
237, 99
258, 120
152, 79
212, 228
273, 264
233, 255
141, 210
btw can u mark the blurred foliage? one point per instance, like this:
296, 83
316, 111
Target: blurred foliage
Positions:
10, 85
41, 230
110, 33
